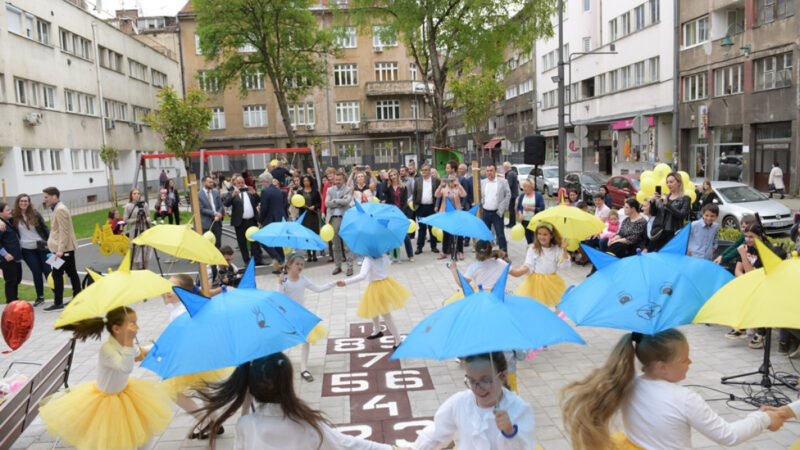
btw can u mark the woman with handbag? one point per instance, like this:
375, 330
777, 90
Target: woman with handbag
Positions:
33, 234
671, 211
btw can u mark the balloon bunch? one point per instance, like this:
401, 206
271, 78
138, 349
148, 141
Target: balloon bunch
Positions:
649, 179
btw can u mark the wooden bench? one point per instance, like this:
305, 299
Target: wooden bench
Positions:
22, 407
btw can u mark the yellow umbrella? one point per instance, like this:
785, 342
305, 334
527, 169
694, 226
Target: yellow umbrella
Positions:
571, 222
182, 242
119, 288
762, 298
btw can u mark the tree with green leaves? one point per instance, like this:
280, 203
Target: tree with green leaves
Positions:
109, 155
182, 123
476, 94
281, 39
441, 36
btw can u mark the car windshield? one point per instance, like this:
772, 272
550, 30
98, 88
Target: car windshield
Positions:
635, 183
592, 178
741, 194
551, 173
524, 171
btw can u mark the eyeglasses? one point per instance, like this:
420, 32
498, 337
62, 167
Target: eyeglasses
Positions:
482, 384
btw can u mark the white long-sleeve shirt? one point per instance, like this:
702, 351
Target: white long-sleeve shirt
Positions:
660, 415
474, 428
548, 262
372, 269
115, 365
269, 429
484, 274
296, 290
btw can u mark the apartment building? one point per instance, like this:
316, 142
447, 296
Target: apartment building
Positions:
371, 112
738, 91
619, 63
157, 32
68, 84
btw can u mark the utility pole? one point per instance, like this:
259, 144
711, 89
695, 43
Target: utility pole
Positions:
562, 132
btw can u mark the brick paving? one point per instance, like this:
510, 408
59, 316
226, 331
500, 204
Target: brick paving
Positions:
540, 379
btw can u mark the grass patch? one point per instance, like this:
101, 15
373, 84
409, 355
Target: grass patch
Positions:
29, 292
84, 223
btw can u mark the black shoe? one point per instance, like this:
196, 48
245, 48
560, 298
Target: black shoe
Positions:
377, 335
38, 302
276, 272
435, 250
394, 347
419, 251
54, 307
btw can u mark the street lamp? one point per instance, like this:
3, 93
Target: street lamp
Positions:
728, 41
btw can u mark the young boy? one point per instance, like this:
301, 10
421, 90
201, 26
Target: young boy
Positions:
226, 275
703, 237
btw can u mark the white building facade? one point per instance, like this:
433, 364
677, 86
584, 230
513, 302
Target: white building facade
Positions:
605, 92
68, 84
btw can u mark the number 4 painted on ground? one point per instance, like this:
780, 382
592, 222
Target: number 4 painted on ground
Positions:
373, 404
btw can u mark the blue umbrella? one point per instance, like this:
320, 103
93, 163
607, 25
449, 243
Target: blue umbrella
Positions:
289, 234
228, 329
373, 228
460, 223
646, 293
485, 322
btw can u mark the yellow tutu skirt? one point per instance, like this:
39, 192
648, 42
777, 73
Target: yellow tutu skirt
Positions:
381, 297
194, 381
87, 418
621, 442
546, 289
316, 333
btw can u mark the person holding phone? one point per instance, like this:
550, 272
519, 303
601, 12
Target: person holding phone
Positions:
671, 211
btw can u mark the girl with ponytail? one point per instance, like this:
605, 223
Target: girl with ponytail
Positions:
116, 411
281, 419
657, 412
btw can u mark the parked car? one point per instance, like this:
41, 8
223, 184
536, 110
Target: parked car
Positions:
622, 186
736, 199
586, 183
546, 180
730, 168
523, 172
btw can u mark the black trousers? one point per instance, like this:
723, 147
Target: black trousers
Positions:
424, 211
71, 271
12, 275
241, 239
512, 212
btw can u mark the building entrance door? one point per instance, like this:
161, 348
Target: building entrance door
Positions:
698, 159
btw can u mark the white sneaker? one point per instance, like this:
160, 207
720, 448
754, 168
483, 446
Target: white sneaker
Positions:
162, 221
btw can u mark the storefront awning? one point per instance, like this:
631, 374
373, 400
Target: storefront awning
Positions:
494, 143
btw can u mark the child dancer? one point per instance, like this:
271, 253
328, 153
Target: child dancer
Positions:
547, 254
484, 272
116, 411
283, 420
656, 411
294, 286
487, 416
382, 295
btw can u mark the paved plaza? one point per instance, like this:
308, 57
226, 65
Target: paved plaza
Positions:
357, 387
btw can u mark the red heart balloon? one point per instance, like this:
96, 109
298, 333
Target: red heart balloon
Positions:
17, 323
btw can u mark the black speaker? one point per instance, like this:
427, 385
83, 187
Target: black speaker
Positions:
534, 150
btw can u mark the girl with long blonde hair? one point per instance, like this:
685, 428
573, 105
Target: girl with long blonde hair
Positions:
544, 258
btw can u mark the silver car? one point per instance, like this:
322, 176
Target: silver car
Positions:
737, 199
546, 180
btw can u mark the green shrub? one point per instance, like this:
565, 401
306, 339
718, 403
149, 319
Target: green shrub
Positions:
728, 234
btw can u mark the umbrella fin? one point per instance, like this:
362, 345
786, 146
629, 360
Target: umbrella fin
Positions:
679, 243
193, 302
302, 216
768, 258
248, 280
465, 286
358, 207
448, 206
499, 289
95, 276
474, 209
598, 258
125, 265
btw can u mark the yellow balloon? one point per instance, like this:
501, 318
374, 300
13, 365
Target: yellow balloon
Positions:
412, 225
210, 237
662, 170
376, 199
326, 233
685, 178
249, 232
641, 196
692, 195
647, 175
647, 185
517, 232
298, 201
437, 233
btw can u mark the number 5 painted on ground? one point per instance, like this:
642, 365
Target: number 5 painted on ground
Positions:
340, 381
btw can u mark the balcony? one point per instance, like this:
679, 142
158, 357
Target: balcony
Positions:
385, 88
399, 125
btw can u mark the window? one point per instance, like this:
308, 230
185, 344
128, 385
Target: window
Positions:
253, 81
511, 91
27, 25
150, 23
587, 44
695, 32
345, 75
348, 112
381, 37
728, 80
159, 79
75, 159
110, 59
639, 76
385, 152
113, 109
770, 10
773, 72
414, 109
525, 87
653, 6
87, 102
55, 160
44, 160
27, 160
587, 4
14, 18
217, 119
93, 158
347, 39
350, 154
43, 31
653, 69
625, 77
197, 50
612, 27
74, 45
386, 71
208, 82
139, 113
21, 90
612, 81
247, 48
638, 16
388, 109
600, 84
412, 72
49, 97
137, 70
626, 23
69, 101
694, 87
301, 114
255, 116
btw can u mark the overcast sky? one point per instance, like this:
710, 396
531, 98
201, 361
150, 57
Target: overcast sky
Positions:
148, 7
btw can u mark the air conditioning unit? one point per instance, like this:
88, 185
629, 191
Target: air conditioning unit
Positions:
294, 127
110, 124
32, 119
310, 127
355, 125
137, 128
378, 48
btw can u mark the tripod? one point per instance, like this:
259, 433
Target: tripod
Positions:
139, 227
768, 378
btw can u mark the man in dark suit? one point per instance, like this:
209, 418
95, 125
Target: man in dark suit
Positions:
424, 189
272, 209
211, 211
244, 214
513, 185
